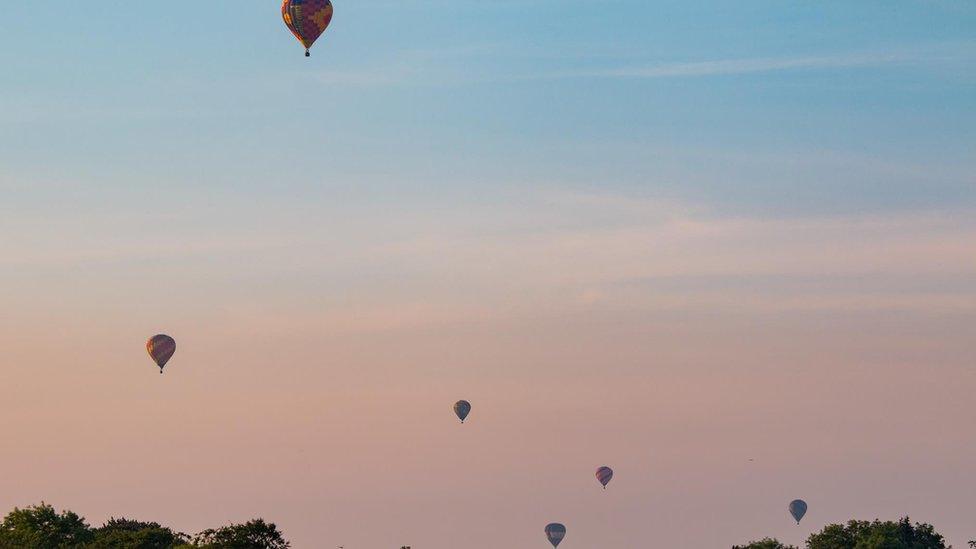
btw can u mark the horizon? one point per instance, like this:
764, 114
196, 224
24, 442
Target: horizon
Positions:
728, 251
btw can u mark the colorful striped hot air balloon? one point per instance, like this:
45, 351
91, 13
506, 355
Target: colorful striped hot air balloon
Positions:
307, 19
161, 348
462, 408
555, 532
604, 474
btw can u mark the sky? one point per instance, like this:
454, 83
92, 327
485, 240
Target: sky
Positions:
726, 248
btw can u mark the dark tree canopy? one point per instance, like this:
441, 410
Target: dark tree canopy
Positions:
41, 527
254, 534
132, 534
765, 543
858, 534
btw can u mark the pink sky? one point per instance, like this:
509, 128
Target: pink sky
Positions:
316, 370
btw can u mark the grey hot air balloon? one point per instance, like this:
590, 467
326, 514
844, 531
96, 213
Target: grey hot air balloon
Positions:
798, 508
555, 532
462, 408
604, 474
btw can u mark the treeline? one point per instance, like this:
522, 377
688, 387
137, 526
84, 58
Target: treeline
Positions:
42, 527
860, 534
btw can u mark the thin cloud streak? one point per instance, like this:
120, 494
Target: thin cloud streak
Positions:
738, 66
394, 75
437, 75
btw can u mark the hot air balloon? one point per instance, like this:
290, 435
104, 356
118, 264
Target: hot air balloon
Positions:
555, 532
161, 348
604, 474
307, 19
798, 508
462, 408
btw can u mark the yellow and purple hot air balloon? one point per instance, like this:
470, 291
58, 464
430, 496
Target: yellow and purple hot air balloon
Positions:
604, 474
307, 19
161, 348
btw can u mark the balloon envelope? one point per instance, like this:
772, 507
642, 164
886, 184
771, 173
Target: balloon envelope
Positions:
161, 348
462, 408
307, 19
798, 508
555, 532
604, 474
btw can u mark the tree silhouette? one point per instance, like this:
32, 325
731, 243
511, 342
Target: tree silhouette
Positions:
254, 534
41, 527
132, 534
858, 534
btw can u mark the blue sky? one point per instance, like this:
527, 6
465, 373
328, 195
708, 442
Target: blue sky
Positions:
761, 106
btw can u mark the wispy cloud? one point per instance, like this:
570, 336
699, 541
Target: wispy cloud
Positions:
448, 66
433, 75
737, 66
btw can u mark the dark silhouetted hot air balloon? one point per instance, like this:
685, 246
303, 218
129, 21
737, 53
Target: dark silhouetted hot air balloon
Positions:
462, 408
161, 348
604, 474
555, 532
798, 508
307, 19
